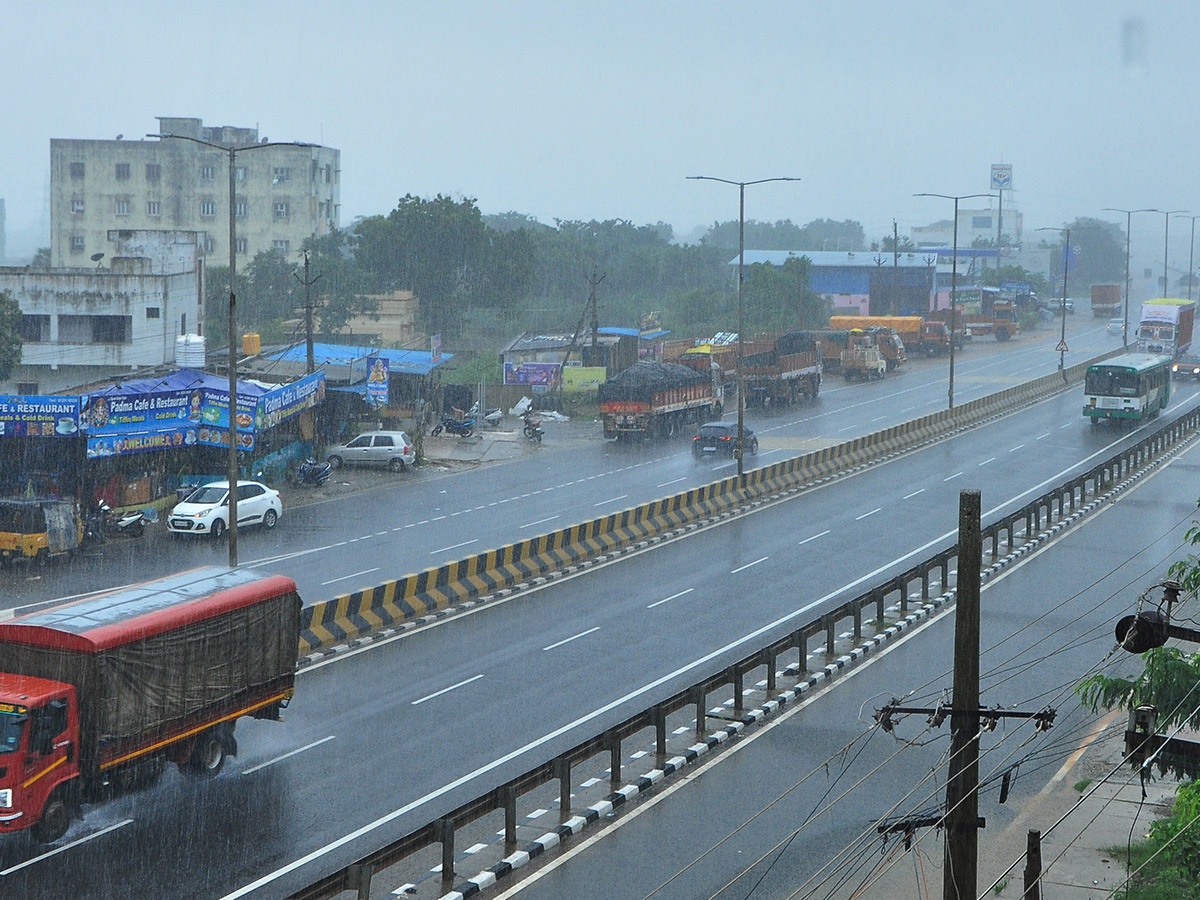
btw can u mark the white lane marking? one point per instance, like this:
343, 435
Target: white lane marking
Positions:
990, 459
1016, 448
748, 565
573, 637
446, 690
669, 599
814, 537
879, 418
1040, 436
610, 500
57, 850
1068, 425
355, 575
871, 513
672, 481
539, 522
913, 494
454, 546
847, 428
952, 477
271, 762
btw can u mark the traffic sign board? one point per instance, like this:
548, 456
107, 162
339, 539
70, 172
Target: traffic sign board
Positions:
1062, 346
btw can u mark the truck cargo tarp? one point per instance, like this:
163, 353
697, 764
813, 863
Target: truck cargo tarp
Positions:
641, 380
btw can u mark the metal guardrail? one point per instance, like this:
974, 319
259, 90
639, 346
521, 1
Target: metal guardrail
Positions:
1061, 502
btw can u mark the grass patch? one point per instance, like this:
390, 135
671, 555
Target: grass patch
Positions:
1081, 786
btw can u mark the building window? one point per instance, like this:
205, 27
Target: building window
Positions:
121, 207
280, 174
239, 173
153, 208
208, 209
153, 171
77, 170
122, 171
77, 243
282, 209
95, 329
210, 245
153, 312
981, 222
208, 173
328, 172
35, 329
28, 388
283, 247
76, 206
242, 245
241, 208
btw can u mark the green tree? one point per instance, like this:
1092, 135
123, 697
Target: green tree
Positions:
777, 298
340, 293
10, 334
993, 276
1097, 255
42, 257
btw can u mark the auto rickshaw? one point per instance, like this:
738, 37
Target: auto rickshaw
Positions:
37, 529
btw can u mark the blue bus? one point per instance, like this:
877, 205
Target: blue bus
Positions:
1127, 388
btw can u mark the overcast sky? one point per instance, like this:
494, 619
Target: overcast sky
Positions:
584, 110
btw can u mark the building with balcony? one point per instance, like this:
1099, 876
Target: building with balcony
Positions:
282, 194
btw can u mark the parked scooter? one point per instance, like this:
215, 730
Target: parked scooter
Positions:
464, 427
101, 524
533, 426
310, 473
491, 418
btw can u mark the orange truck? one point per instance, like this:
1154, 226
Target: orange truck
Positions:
98, 693
918, 334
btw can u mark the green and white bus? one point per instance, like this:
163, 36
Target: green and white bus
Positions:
1127, 388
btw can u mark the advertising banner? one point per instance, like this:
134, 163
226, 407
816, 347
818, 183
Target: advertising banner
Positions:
377, 381
579, 379
38, 416
281, 403
543, 375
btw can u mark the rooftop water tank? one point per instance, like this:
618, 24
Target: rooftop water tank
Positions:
189, 351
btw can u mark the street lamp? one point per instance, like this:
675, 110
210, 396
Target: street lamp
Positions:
953, 277
741, 185
1062, 339
233, 441
1125, 306
1167, 213
1191, 253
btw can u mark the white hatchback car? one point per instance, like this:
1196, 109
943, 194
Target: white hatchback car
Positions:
374, 448
206, 509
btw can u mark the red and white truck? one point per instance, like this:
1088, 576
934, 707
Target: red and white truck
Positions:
98, 693
1166, 326
656, 400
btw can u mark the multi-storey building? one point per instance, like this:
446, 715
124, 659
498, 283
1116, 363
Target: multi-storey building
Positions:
282, 194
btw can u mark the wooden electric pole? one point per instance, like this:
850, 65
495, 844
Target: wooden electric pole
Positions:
308, 312
962, 797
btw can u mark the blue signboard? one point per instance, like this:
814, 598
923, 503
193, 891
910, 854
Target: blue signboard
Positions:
377, 381
38, 416
287, 400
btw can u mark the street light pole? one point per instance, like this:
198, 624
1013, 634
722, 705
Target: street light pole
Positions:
741, 186
1167, 213
1125, 306
953, 278
232, 459
1191, 253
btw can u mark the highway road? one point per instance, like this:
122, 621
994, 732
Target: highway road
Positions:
385, 739
421, 519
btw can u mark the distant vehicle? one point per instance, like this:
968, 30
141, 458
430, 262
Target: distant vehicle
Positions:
1068, 305
1116, 326
374, 448
718, 439
1127, 388
206, 509
1106, 300
1187, 366
1166, 326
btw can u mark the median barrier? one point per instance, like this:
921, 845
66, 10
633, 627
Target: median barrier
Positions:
413, 597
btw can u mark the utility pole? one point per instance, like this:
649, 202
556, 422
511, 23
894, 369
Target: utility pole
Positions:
962, 797
895, 269
308, 312
1033, 866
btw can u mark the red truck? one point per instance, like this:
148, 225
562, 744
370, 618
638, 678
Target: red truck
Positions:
97, 694
782, 370
655, 400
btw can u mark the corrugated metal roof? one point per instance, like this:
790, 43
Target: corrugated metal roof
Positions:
841, 258
412, 362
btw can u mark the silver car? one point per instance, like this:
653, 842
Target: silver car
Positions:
374, 448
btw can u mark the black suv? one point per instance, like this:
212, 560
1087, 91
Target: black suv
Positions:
719, 439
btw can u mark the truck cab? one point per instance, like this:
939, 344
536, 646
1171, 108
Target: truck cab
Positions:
39, 730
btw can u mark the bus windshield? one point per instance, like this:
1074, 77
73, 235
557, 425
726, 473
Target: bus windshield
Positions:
1111, 383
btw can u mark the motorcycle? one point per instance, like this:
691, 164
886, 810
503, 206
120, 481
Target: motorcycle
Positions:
491, 418
464, 427
102, 523
310, 473
533, 427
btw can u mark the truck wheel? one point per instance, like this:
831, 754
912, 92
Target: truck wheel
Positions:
55, 820
208, 756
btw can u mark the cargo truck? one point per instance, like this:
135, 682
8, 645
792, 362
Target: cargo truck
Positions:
787, 370
861, 358
1106, 301
919, 335
1165, 327
655, 400
98, 693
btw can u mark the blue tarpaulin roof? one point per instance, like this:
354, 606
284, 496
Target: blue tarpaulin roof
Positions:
631, 332
407, 362
181, 381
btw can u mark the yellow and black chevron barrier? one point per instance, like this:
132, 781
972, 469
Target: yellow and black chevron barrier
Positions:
413, 596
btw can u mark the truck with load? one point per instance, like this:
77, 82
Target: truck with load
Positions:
98, 693
1165, 326
996, 315
919, 335
653, 399
861, 358
1106, 301
785, 370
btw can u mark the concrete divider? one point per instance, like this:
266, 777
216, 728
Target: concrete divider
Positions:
329, 623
